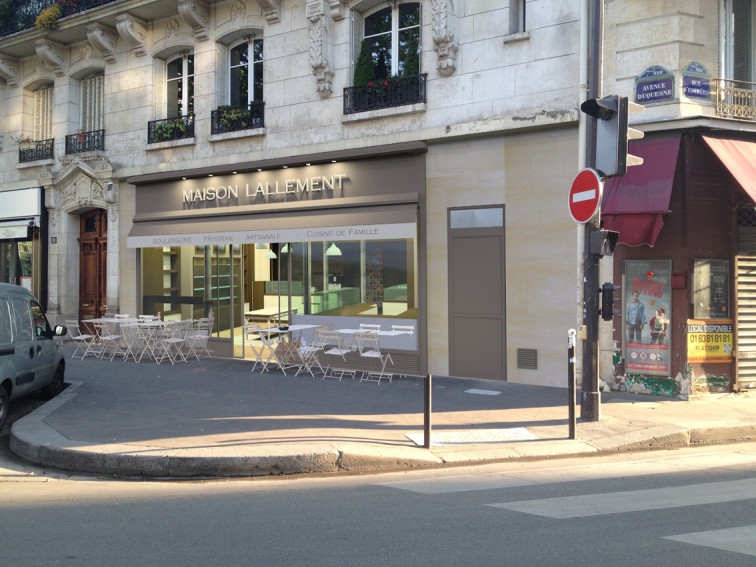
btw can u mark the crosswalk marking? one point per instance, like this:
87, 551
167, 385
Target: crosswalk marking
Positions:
635, 500
551, 475
737, 540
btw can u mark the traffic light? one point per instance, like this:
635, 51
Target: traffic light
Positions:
612, 133
603, 242
607, 301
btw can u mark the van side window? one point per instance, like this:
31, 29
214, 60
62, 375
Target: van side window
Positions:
41, 326
22, 316
5, 322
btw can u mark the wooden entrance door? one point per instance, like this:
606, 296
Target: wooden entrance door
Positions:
93, 248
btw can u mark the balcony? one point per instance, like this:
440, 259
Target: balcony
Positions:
388, 93
35, 150
85, 142
735, 99
170, 129
232, 119
21, 14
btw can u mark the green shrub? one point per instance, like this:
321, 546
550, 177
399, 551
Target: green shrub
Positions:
48, 17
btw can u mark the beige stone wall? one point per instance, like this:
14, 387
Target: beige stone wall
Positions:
530, 174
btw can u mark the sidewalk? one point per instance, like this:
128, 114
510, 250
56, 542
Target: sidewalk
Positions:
214, 418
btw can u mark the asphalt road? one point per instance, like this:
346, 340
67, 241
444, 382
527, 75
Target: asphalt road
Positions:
689, 507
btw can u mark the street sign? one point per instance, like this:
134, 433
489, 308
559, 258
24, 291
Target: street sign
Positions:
585, 195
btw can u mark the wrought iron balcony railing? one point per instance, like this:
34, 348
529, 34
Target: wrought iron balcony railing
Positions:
233, 119
169, 129
736, 99
37, 150
20, 15
85, 142
388, 93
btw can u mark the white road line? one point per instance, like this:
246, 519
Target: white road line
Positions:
635, 500
551, 475
738, 540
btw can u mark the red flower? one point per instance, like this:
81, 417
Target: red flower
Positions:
370, 83
385, 83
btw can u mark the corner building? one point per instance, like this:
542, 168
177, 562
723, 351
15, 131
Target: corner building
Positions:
336, 161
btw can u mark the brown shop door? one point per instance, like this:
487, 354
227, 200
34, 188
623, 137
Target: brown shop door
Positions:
93, 247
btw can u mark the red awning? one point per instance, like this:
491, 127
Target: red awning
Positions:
739, 157
634, 203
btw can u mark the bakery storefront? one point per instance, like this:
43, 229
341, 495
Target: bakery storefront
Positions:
330, 239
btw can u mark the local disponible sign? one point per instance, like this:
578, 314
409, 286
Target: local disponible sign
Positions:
709, 340
655, 84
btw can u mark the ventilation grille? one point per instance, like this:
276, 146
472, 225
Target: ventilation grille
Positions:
527, 358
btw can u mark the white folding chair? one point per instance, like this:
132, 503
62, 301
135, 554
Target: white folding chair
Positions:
197, 338
84, 341
307, 354
252, 342
409, 329
121, 316
135, 344
277, 352
368, 347
333, 346
369, 327
109, 340
172, 342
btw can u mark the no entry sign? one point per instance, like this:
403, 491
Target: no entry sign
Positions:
585, 195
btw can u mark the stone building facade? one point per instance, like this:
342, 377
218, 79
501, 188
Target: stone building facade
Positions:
193, 157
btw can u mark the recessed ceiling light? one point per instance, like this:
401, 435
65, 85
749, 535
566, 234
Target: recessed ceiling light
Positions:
233, 172
333, 161
259, 169
307, 164
209, 174
286, 167
184, 178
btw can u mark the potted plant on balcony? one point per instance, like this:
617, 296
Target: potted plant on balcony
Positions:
24, 141
48, 17
229, 116
170, 130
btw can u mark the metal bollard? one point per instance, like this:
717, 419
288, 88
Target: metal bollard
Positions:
571, 387
427, 420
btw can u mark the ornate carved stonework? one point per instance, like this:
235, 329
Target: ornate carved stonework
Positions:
443, 25
339, 9
172, 28
321, 48
238, 10
52, 54
271, 10
134, 31
195, 13
8, 70
104, 39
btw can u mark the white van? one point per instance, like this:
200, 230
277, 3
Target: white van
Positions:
31, 355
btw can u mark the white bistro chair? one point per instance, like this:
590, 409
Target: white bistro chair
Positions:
84, 341
369, 348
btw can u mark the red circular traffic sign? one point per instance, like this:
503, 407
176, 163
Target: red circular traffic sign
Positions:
585, 195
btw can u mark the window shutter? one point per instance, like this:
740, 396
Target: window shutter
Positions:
92, 93
159, 86
742, 41
222, 63
43, 107
357, 33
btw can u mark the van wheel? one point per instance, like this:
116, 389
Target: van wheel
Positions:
56, 386
4, 402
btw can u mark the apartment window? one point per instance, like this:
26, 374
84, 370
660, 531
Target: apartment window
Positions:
391, 43
246, 73
741, 23
43, 113
92, 103
516, 16
180, 91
